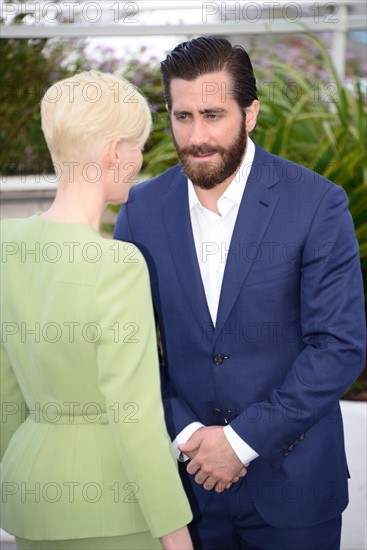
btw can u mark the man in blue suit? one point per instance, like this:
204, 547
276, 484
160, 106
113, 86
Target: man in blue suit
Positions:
257, 289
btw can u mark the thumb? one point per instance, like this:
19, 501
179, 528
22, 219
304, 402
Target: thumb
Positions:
188, 446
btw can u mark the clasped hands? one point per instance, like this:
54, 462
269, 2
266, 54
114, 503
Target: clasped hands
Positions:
212, 459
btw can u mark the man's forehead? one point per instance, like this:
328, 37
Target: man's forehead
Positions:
219, 77
206, 88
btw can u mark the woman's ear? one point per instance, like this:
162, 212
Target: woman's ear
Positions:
113, 153
251, 115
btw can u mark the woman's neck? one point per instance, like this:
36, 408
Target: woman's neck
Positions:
77, 202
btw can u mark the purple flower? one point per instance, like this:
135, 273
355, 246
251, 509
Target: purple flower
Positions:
137, 79
325, 37
106, 67
54, 75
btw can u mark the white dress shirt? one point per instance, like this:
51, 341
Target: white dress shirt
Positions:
212, 237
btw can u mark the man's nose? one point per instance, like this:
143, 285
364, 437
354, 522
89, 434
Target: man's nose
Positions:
199, 133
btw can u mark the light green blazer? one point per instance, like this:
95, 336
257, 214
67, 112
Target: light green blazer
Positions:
79, 361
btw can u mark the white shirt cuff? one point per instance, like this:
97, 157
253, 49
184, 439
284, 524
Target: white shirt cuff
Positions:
183, 437
244, 452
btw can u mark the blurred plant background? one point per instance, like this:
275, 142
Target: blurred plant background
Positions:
308, 114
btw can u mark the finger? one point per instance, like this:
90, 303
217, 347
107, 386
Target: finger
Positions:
201, 477
220, 486
191, 455
193, 467
188, 448
209, 485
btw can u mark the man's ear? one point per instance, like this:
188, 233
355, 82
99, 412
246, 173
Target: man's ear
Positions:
251, 115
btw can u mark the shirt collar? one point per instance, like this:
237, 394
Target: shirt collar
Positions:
235, 190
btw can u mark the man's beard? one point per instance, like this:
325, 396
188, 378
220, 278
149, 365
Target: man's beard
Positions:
207, 174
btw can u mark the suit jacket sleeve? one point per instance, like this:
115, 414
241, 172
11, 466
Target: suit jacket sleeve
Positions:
129, 379
333, 331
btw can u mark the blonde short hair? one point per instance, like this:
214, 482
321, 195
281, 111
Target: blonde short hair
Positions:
84, 113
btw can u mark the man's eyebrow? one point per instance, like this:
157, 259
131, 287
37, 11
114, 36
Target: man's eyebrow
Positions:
175, 113
212, 111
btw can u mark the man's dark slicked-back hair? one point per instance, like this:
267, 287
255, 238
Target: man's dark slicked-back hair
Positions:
208, 55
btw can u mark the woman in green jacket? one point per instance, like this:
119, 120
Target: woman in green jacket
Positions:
86, 459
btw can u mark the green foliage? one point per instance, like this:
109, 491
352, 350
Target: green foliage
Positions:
307, 115
321, 125
25, 73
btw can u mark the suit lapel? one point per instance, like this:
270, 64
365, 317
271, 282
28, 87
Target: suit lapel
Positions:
176, 216
256, 209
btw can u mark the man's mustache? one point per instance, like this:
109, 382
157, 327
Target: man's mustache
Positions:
200, 150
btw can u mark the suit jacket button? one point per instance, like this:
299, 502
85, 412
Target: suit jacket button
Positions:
291, 447
217, 412
301, 437
286, 453
218, 359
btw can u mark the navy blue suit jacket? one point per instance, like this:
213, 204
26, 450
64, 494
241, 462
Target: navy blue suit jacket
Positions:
290, 332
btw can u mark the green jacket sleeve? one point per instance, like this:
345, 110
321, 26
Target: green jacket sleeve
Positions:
129, 379
13, 407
